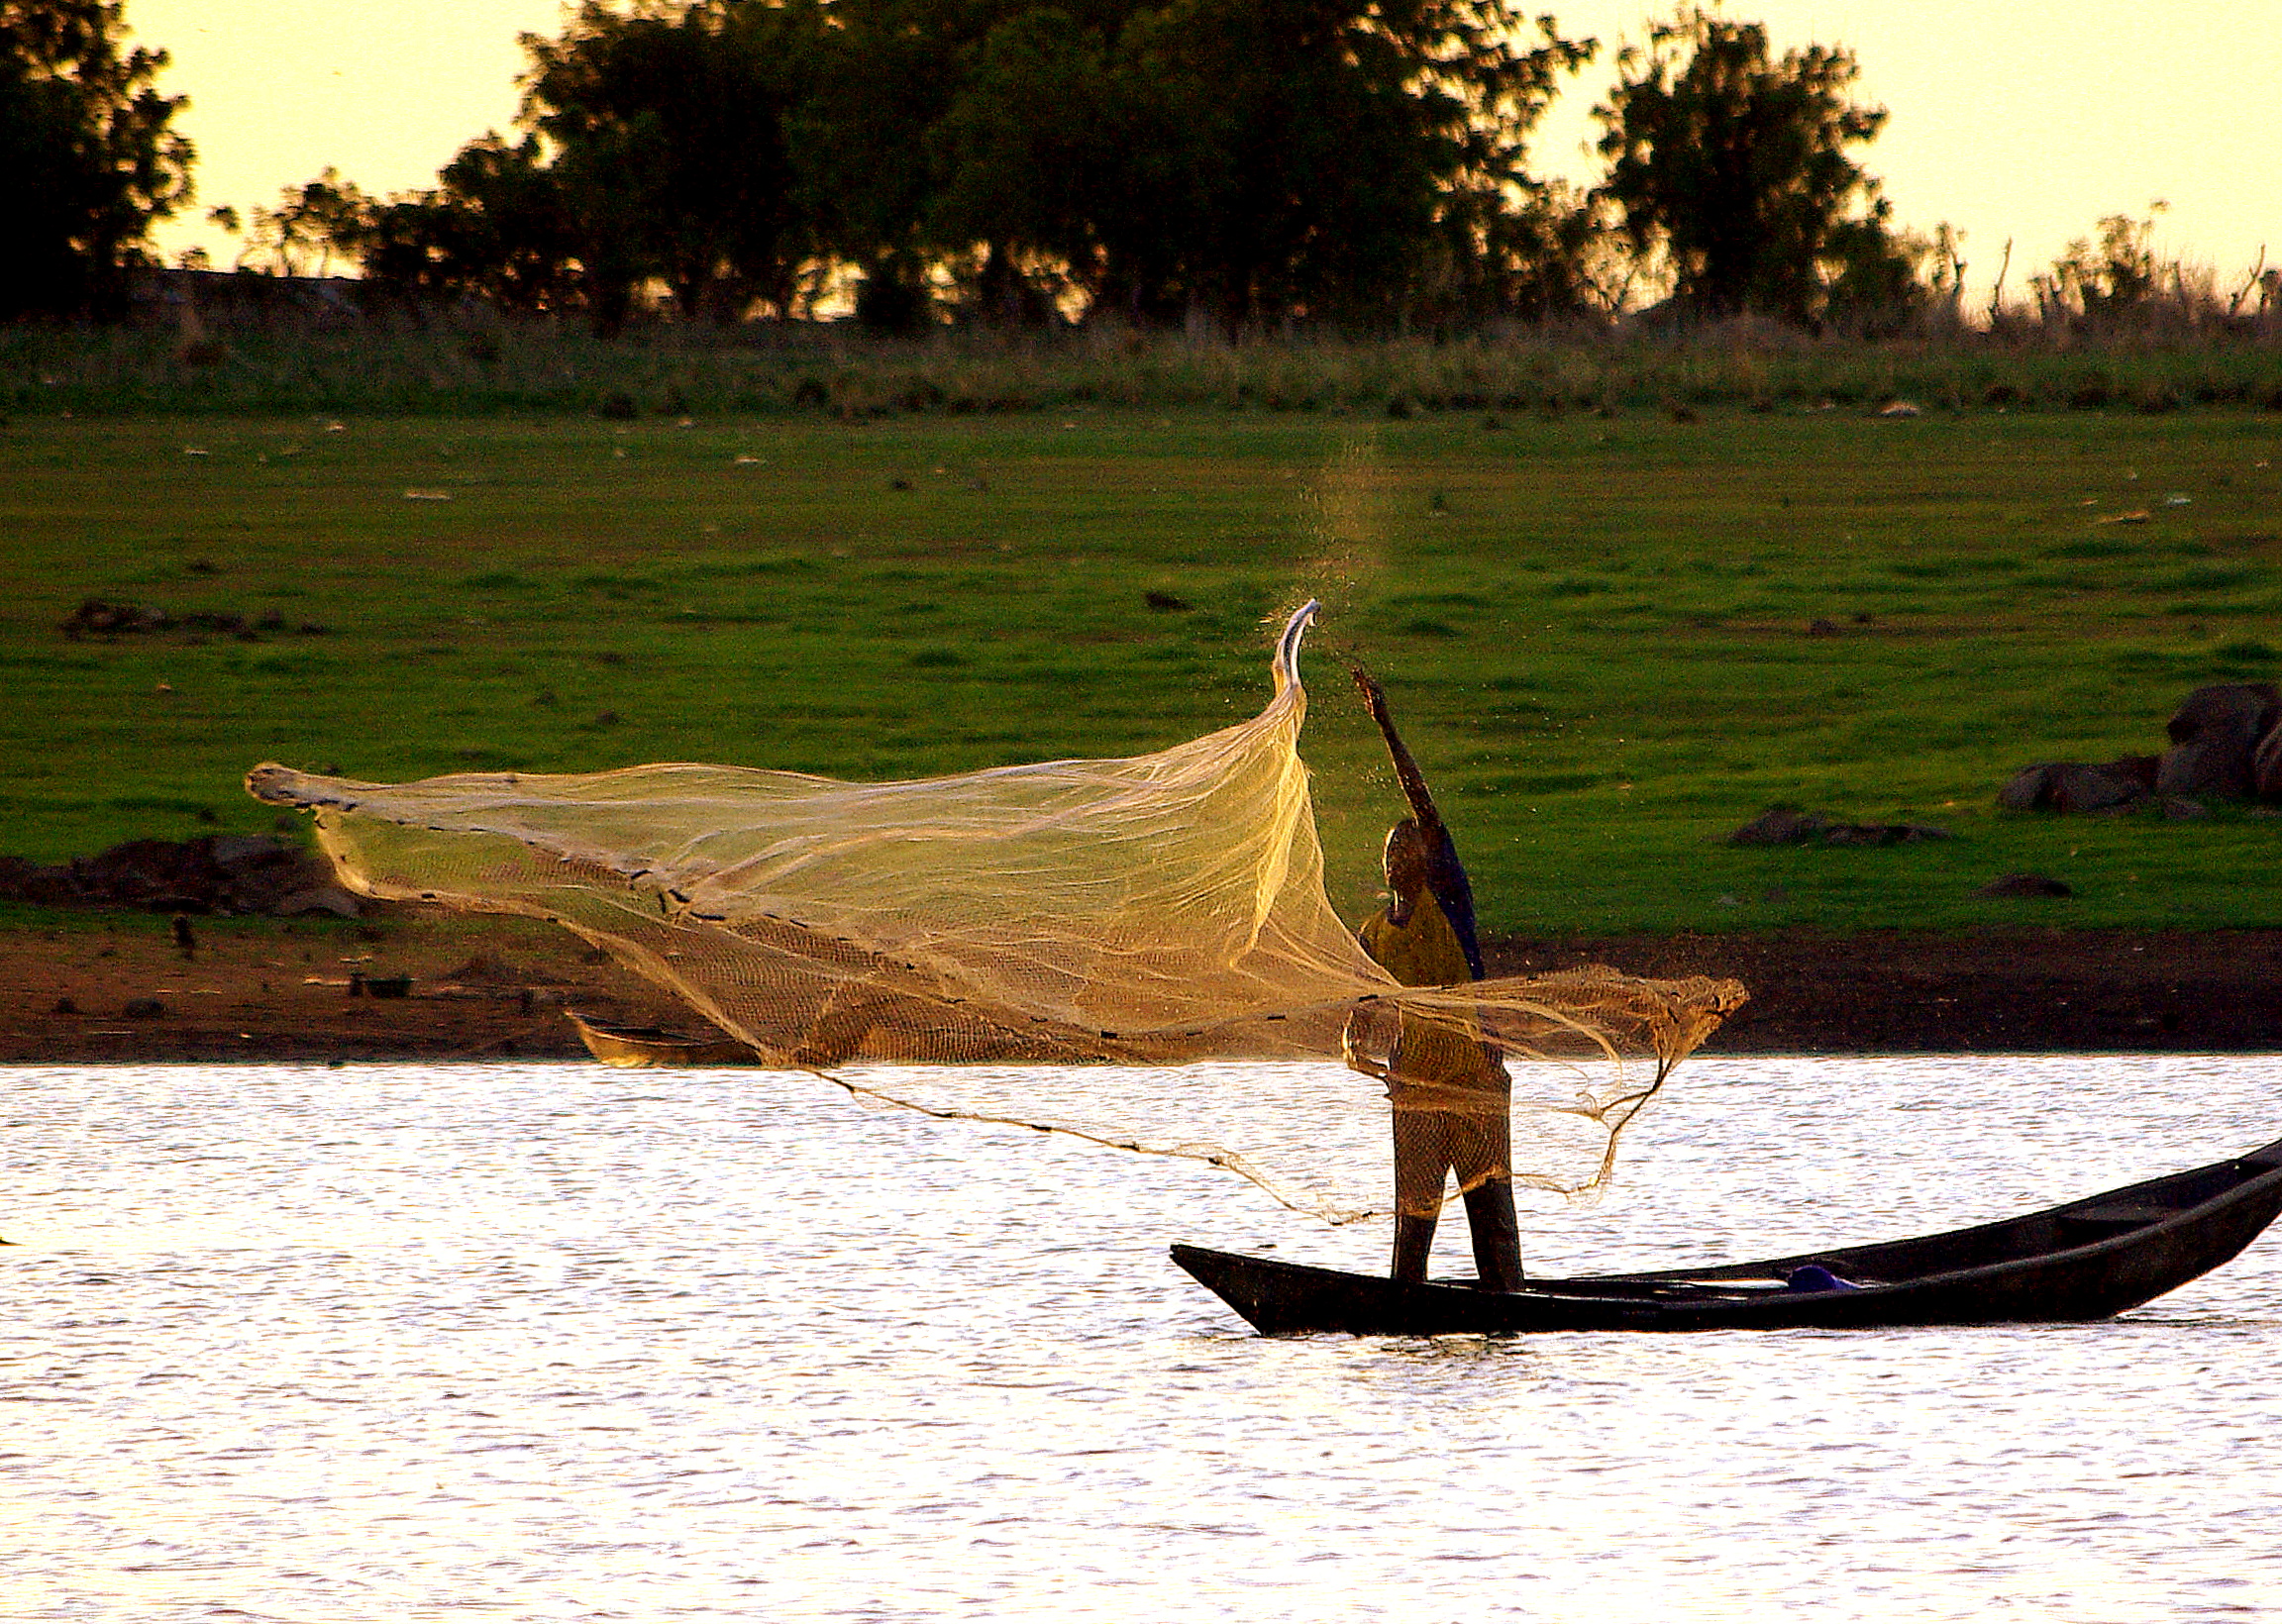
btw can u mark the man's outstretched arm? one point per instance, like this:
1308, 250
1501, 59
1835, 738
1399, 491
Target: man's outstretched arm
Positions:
1447, 877
1414, 781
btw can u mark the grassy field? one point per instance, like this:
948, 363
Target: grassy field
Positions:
1596, 628
459, 364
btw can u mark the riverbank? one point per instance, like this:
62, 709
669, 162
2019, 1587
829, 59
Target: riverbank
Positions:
2012, 992
119, 989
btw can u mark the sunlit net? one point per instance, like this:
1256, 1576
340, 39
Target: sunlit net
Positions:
1027, 935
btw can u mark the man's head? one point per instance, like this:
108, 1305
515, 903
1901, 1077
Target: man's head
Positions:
1409, 860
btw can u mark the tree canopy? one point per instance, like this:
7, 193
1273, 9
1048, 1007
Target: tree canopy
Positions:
89, 160
1735, 165
1240, 163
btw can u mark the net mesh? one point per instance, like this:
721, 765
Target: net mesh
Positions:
1031, 934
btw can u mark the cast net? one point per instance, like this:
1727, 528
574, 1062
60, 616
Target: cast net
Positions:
1056, 945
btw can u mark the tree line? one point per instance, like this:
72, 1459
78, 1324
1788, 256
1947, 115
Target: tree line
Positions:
1241, 166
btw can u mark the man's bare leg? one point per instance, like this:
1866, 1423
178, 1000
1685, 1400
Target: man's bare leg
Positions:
1497, 1234
1421, 1169
1483, 1158
1413, 1244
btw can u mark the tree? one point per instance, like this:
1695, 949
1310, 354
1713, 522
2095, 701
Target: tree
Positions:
1249, 162
1025, 156
657, 150
494, 226
1552, 252
321, 218
667, 138
870, 142
1735, 165
88, 158
2108, 286
1878, 282
1336, 160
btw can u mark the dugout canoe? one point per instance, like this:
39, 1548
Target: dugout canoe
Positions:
641, 1046
2082, 1260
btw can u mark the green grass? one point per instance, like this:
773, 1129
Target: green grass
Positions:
1594, 629
459, 364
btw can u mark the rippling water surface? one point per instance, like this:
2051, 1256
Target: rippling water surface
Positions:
550, 1342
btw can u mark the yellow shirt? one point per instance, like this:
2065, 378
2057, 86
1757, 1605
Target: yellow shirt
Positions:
1423, 953
1431, 1051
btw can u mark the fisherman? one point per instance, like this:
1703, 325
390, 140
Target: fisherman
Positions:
1449, 1092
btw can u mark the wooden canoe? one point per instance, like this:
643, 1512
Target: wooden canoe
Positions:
635, 1046
2082, 1260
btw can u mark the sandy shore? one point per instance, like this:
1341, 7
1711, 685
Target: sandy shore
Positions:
115, 988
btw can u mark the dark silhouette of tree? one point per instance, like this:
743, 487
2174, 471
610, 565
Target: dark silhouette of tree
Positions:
88, 158
657, 149
313, 224
493, 228
1249, 162
1029, 151
888, 71
1237, 162
1303, 172
1550, 253
1735, 165
669, 149
1330, 160
2108, 286
1878, 282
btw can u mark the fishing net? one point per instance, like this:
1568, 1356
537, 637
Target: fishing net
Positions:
1051, 945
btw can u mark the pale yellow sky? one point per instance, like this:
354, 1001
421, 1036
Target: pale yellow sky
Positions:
2027, 119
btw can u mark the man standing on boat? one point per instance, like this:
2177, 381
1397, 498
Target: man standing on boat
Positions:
1449, 1092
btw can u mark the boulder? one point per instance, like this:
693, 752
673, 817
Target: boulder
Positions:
2266, 767
2226, 704
2070, 786
2027, 886
1787, 826
2215, 737
2030, 789
1780, 826
2134, 769
1882, 834
100, 617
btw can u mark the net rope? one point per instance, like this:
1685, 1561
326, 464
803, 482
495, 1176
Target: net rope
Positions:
1010, 944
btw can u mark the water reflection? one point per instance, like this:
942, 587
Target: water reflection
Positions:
558, 1343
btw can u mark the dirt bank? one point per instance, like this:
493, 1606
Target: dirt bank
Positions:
2018, 991
118, 988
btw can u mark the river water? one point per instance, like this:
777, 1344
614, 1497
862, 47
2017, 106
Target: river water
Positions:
557, 1343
